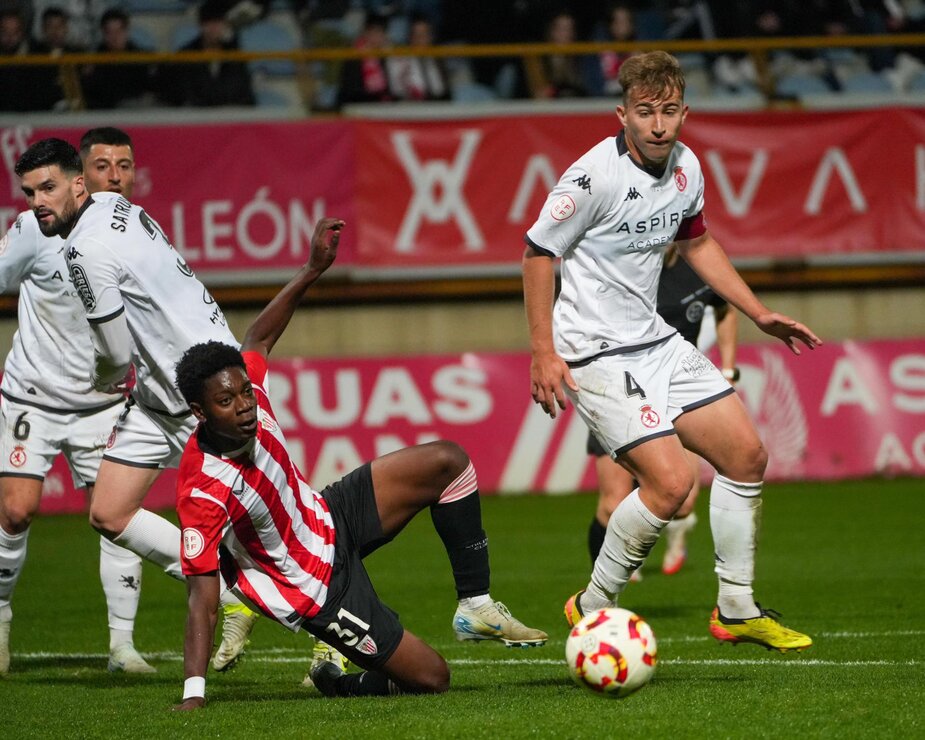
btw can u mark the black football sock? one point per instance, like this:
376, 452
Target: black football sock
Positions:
596, 534
459, 525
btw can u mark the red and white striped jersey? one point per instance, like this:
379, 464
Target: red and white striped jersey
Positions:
277, 529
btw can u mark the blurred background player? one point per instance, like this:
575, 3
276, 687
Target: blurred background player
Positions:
685, 302
645, 391
136, 290
297, 553
49, 405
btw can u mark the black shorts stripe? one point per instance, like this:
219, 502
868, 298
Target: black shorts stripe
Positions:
624, 350
706, 401
636, 443
22, 475
77, 412
131, 463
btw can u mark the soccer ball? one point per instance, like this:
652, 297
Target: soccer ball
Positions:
611, 652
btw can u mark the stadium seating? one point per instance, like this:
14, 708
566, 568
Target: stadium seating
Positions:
798, 85
270, 35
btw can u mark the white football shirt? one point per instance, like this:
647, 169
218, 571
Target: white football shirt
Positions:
50, 364
610, 221
120, 260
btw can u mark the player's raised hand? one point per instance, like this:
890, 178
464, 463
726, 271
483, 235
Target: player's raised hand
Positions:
325, 239
194, 702
548, 372
790, 331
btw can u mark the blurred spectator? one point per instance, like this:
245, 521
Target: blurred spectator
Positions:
210, 83
24, 88
55, 38
119, 84
83, 19
418, 78
365, 80
621, 26
563, 75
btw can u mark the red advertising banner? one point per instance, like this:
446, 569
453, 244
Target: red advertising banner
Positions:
779, 184
240, 200
846, 410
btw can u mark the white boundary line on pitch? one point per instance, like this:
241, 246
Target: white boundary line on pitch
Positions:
305, 659
303, 655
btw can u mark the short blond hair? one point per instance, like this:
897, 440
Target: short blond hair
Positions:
654, 72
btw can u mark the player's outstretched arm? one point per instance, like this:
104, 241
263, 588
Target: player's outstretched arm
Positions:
705, 255
269, 326
200, 631
548, 370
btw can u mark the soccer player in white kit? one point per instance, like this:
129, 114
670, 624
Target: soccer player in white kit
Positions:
145, 307
644, 391
49, 406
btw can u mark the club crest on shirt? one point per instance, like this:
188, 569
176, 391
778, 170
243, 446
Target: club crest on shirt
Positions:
563, 208
368, 646
193, 542
266, 421
18, 456
649, 417
680, 179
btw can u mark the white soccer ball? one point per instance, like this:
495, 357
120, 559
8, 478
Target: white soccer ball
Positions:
611, 652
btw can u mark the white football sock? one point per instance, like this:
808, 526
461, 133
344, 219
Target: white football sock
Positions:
12, 558
120, 574
735, 512
631, 533
474, 602
155, 539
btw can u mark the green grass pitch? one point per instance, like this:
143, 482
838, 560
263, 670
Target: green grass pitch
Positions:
843, 562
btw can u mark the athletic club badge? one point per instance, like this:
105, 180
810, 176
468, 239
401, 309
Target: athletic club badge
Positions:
18, 456
649, 417
112, 439
680, 179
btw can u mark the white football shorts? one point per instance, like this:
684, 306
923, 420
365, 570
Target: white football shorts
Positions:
144, 438
626, 399
31, 438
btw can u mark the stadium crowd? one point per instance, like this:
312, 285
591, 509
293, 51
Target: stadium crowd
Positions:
58, 27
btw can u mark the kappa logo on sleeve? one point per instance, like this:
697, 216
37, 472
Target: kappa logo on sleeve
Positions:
82, 285
563, 208
193, 542
584, 182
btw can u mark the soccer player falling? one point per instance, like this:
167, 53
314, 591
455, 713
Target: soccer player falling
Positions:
294, 553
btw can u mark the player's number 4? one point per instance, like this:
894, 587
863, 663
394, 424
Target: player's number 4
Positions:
631, 387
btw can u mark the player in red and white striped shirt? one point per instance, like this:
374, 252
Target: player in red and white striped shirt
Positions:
296, 554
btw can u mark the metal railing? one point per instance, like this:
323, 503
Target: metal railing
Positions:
760, 49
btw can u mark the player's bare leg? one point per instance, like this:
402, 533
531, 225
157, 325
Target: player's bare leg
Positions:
414, 668
660, 467
723, 434
116, 513
19, 503
440, 476
684, 520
